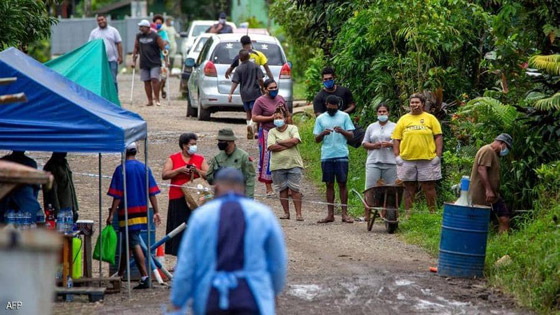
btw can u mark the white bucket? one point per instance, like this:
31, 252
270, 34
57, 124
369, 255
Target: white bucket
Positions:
28, 262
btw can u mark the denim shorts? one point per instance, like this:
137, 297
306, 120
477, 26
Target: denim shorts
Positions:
335, 169
248, 106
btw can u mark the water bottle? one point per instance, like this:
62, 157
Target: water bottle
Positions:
10, 218
60, 221
40, 217
69, 297
464, 198
26, 220
50, 219
32, 220
69, 220
19, 220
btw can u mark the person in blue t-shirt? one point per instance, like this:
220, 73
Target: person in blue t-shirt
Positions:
334, 129
137, 208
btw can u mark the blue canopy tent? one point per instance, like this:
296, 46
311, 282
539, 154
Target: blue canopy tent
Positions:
62, 116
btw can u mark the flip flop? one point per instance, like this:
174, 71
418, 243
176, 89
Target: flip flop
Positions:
299, 219
284, 217
150, 104
158, 104
325, 221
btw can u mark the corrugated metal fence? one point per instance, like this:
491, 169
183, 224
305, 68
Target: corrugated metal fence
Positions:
70, 34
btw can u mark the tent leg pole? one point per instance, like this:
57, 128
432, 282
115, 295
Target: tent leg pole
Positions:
149, 254
125, 207
100, 220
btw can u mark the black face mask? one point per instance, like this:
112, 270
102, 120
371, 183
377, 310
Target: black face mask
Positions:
332, 111
222, 145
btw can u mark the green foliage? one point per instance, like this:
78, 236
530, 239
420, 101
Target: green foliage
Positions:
423, 228
40, 50
532, 275
312, 76
550, 64
28, 22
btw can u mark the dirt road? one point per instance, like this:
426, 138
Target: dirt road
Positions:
333, 269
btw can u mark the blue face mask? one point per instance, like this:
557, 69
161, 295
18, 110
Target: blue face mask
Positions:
504, 151
158, 26
329, 84
382, 118
279, 123
273, 93
192, 149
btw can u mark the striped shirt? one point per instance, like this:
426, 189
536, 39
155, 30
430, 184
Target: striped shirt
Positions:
136, 194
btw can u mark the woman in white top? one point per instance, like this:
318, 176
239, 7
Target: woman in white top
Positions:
381, 163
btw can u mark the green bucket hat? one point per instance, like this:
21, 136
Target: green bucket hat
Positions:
226, 135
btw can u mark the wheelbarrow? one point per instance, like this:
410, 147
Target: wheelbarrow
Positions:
384, 201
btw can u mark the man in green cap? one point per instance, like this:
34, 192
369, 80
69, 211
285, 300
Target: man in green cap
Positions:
231, 156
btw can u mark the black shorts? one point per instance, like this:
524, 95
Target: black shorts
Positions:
500, 209
336, 168
133, 238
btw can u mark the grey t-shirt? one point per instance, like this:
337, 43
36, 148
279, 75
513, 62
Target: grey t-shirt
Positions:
247, 75
377, 133
111, 37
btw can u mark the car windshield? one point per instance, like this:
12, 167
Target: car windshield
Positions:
199, 29
225, 52
200, 44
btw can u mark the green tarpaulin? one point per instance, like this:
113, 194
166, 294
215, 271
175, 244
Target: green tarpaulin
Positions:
88, 66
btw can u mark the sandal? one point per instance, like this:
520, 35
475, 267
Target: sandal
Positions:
325, 220
299, 218
150, 104
158, 104
285, 217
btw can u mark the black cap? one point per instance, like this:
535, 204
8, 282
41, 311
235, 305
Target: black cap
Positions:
223, 15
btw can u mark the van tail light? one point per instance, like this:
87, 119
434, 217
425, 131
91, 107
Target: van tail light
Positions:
210, 69
286, 72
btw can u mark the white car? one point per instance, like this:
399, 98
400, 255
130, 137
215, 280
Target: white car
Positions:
197, 27
208, 89
193, 54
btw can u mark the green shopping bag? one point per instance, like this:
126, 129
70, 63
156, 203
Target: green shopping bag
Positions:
109, 238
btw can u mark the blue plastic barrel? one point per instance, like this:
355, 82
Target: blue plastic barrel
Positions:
134, 272
462, 248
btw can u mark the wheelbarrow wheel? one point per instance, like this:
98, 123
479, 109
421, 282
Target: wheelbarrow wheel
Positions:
391, 223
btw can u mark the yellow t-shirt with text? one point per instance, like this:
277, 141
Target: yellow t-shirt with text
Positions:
416, 133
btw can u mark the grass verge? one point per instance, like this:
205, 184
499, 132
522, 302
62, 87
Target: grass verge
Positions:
532, 272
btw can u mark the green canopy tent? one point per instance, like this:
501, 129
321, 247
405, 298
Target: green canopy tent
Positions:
87, 65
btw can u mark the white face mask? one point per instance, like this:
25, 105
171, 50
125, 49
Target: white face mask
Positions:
222, 21
192, 149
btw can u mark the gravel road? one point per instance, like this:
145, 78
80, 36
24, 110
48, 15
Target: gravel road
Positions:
333, 269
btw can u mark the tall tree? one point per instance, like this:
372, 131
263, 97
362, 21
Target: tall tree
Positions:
26, 22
